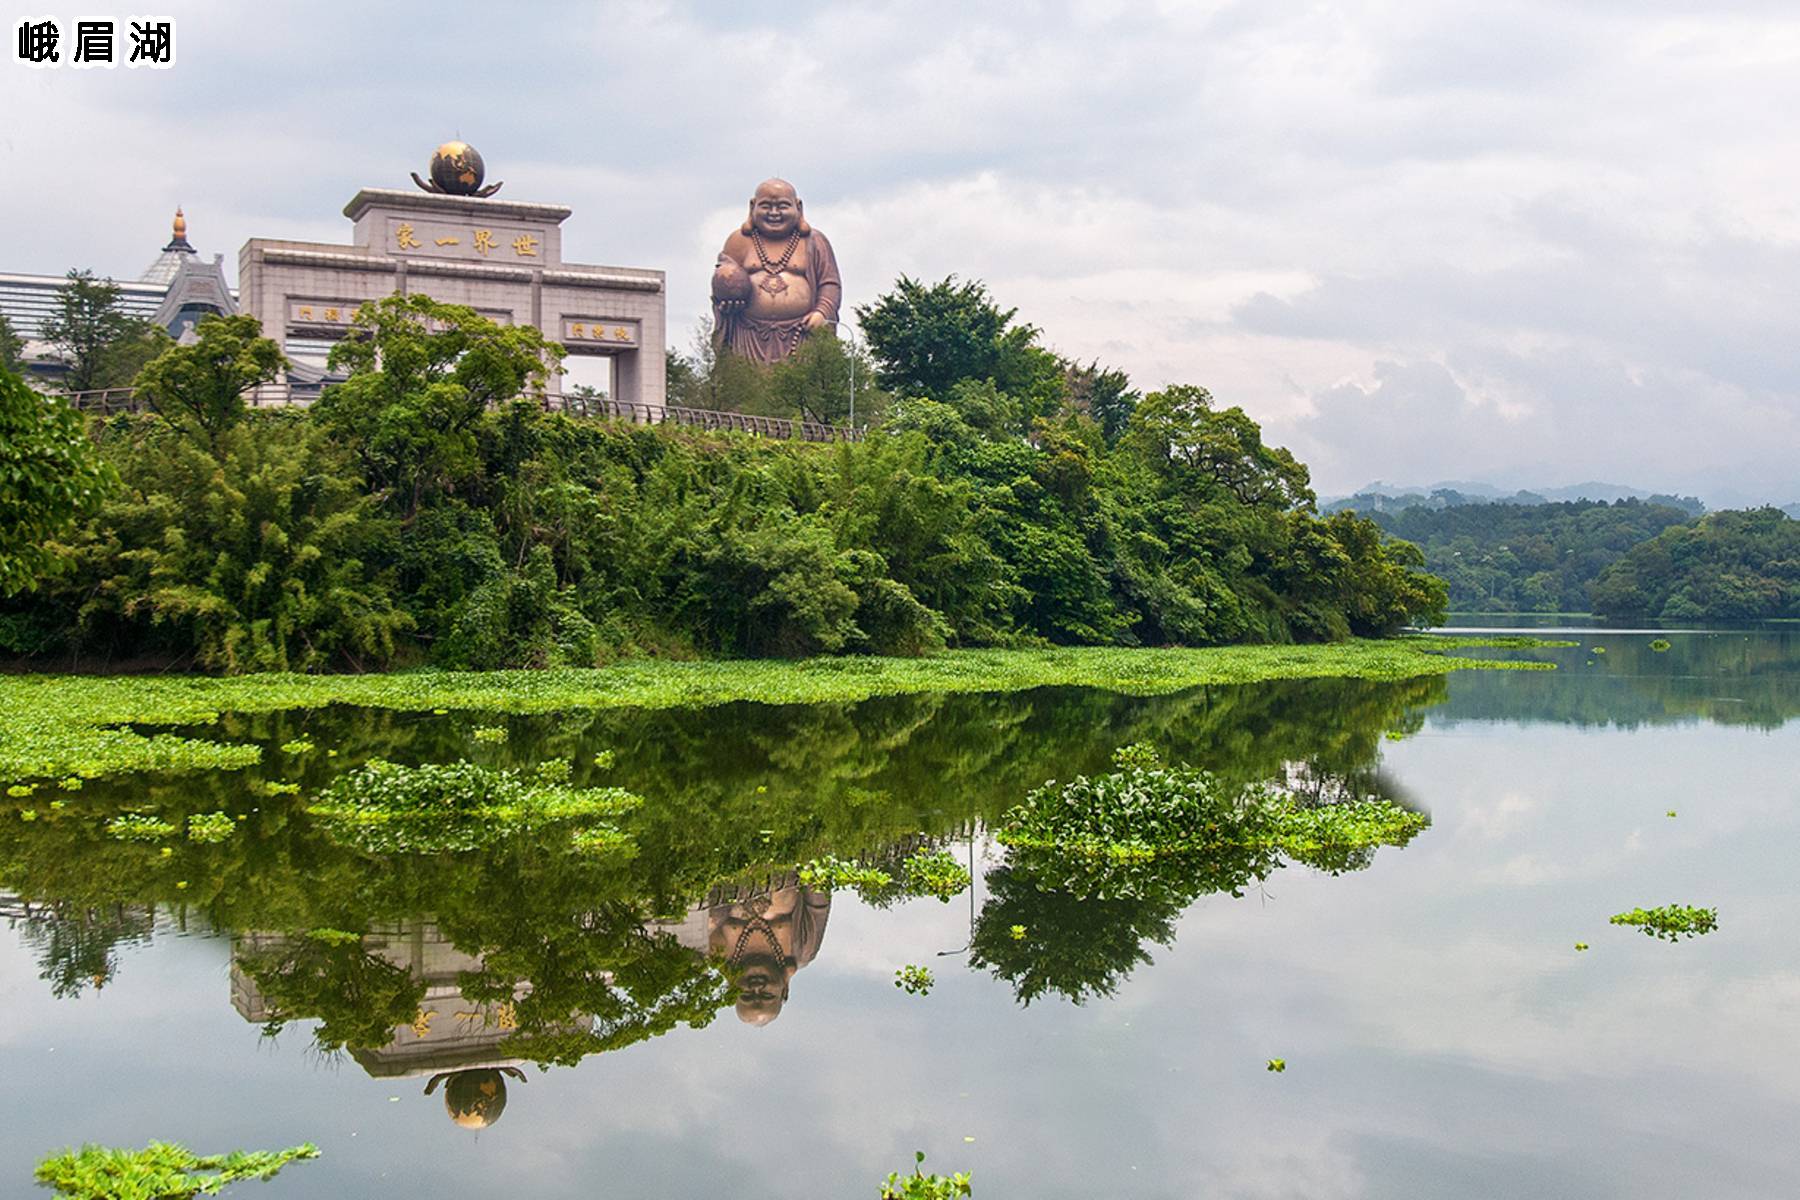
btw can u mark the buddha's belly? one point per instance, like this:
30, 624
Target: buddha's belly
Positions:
795, 301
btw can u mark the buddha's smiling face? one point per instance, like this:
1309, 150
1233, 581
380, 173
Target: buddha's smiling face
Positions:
762, 989
775, 210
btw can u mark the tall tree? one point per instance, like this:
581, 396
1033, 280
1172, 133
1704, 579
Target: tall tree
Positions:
814, 382
50, 477
940, 341
11, 346
199, 389
1104, 394
927, 339
421, 375
1180, 431
91, 327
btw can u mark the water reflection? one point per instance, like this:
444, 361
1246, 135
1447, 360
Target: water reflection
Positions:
1445, 1038
77, 944
763, 939
408, 1001
469, 970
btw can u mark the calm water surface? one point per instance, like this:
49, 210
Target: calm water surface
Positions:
520, 1021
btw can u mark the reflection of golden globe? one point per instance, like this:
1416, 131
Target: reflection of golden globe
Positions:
457, 168
475, 1099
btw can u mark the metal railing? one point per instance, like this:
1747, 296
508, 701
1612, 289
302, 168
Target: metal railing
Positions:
108, 401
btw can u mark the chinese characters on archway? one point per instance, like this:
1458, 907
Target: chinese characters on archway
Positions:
599, 331
94, 41
486, 242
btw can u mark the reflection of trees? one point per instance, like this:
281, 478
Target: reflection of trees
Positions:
357, 998
1728, 678
739, 792
1077, 924
1087, 922
76, 943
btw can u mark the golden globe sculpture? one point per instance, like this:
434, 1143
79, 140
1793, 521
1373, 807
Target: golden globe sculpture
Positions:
457, 170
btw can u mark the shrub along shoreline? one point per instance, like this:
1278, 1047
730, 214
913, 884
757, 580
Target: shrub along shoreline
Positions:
58, 726
423, 512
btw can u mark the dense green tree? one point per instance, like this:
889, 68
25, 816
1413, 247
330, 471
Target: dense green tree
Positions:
102, 344
260, 552
199, 388
930, 340
1205, 449
426, 508
1540, 557
50, 477
1726, 565
11, 347
814, 381
926, 339
1104, 394
422, 374
681, 376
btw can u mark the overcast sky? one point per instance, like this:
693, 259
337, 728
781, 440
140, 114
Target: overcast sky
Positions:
1523, 243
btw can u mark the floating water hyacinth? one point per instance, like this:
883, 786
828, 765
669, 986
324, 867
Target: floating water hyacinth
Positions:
914, 979
1671, 922
139, 827
385, 807
210, 827
920, 1186
1145, 809
936, 873
829, 874
55, 726
159, 1169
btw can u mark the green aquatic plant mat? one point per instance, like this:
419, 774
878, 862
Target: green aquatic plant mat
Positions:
934, 873
383, 807
1671, 922
1145, 809
62, 726
920, 1186
831, 874
160, 1171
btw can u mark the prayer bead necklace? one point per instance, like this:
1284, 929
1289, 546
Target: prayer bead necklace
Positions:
772, 282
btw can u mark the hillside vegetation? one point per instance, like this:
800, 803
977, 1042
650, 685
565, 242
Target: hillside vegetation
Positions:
1726, 565
420, 513
1527, 557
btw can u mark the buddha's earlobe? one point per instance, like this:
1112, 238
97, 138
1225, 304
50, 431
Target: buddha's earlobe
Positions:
748, 228
803, 226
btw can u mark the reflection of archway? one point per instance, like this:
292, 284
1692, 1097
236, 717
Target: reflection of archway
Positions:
447, 1033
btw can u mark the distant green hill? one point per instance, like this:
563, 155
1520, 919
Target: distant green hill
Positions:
1526, 557
1726, 565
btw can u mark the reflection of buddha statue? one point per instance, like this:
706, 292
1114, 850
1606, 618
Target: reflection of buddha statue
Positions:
764, 940
475, 1099
776, 279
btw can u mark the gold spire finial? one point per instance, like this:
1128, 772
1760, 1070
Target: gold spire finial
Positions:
180, 224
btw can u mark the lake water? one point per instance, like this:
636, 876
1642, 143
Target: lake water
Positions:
1443, 1036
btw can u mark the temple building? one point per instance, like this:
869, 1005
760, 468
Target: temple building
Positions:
174, 292
502, 258
451, 240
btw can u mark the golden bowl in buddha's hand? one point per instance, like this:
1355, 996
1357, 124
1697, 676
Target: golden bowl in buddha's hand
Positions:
730, 281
